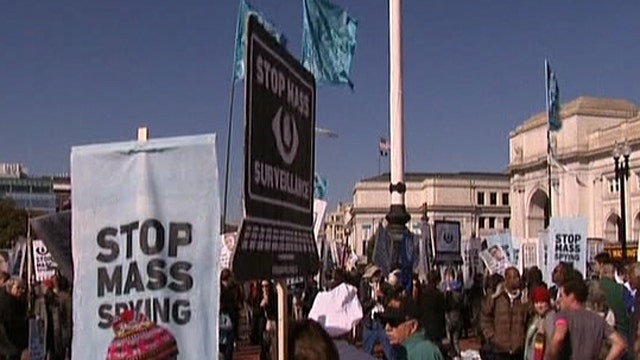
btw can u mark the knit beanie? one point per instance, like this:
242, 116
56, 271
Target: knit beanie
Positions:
540, 294
137, 338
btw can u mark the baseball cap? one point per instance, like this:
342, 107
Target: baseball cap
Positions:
399, 310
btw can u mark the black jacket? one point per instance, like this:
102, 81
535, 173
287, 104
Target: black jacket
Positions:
433, 306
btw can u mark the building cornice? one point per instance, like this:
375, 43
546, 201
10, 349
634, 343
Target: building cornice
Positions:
584, 106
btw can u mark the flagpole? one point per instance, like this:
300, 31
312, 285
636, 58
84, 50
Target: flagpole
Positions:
546, 92
227, 160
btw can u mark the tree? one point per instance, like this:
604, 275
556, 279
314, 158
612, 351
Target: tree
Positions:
13, 222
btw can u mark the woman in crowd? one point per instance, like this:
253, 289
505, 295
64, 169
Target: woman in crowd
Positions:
540, 328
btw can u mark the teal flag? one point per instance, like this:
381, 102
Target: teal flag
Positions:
244, 10
328, 41
320, 187
553, 99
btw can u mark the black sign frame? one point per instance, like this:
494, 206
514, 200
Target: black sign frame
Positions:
276, 236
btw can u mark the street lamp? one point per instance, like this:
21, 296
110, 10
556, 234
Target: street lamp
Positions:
622, 174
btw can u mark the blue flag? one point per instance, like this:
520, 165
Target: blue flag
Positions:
244, 10
382, 250
553, 99
407, 258
320, 187
328, 41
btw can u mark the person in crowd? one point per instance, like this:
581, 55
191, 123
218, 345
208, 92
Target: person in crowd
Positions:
269, 307
474, 296
558, 278
14, 327
599, 260
309, 341
53, 306
534, 279
616, 298
493, 286
309, 296
454, 300
404, 330
229, 314
504, 317
540, 330
338, 311
585, 330
257, 317
393, 280
597, 302
374, 296
433, 309
633, 273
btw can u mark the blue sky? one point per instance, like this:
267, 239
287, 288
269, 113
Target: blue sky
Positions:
81, 72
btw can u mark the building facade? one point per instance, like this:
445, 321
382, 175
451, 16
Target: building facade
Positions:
479, 201
35, 194
338, 224
582, 179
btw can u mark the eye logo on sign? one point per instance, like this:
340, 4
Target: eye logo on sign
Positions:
286, 135
448, 238
41, 250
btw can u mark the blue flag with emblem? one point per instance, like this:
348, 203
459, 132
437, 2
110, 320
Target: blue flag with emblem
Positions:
553, 99
244, 10
328, 41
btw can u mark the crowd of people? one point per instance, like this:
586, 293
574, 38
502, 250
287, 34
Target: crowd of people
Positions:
51, 308
359, 314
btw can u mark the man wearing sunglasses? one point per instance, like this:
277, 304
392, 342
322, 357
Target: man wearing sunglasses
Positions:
404, 330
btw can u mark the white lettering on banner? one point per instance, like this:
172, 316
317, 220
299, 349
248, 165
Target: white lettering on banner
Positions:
272, 177
274, 80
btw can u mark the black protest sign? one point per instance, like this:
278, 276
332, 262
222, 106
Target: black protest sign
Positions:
279, 163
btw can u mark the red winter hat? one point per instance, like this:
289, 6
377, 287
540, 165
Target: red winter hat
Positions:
137, 338
540, 294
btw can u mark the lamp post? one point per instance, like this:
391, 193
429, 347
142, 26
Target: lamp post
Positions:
621, 160
397, 216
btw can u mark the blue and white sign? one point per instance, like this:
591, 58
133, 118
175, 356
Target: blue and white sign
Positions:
567, 242
505, 241
146, 248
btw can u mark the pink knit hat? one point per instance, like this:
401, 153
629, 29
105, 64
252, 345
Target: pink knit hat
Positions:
137, 338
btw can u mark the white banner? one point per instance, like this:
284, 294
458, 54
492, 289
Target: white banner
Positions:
145, 230
495, 259
472, 263
504, 240
228, 248
43, 263
319, 211
567, 243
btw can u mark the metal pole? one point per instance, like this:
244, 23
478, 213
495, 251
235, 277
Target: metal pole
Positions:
227, 163
397, 216
622, 170
546, 92
281, 288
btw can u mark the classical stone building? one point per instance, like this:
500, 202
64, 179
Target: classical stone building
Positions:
480, 201
583, 181
338, 224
